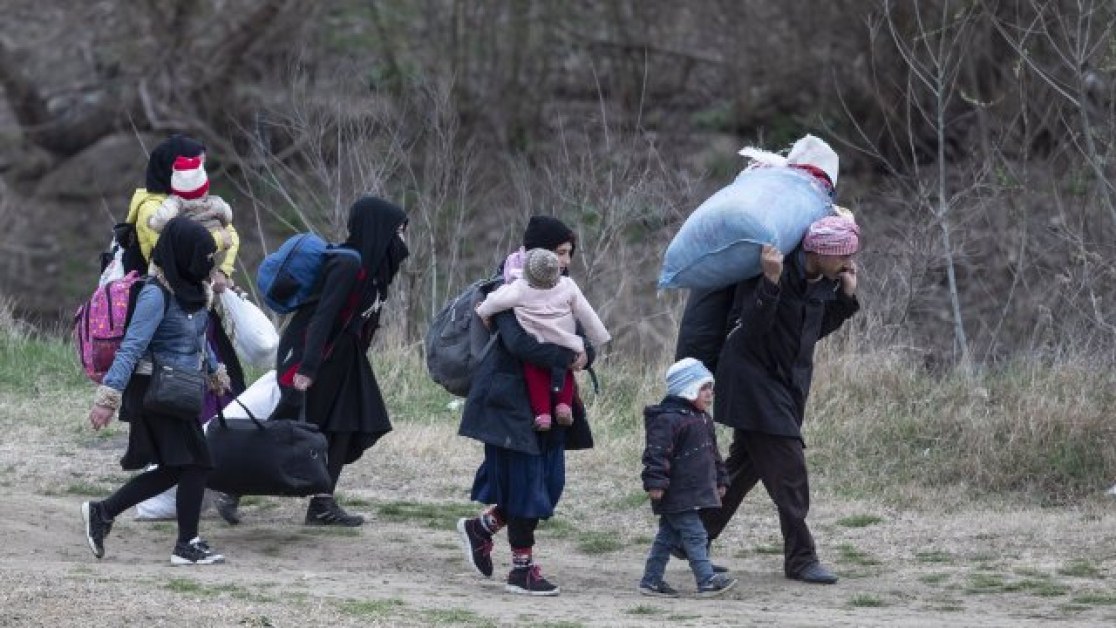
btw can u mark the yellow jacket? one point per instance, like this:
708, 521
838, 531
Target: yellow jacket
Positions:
144, 205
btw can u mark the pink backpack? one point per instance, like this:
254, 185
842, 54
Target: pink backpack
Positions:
100, 322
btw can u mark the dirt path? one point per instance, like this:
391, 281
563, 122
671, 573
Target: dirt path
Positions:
997, 567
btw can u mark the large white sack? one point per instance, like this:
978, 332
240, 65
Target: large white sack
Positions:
164, 505
253, 335
720, 243
260, 398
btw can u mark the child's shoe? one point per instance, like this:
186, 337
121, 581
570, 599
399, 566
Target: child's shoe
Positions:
529, 581
477, 543
563, 414
542, 423
662, 589
716, 585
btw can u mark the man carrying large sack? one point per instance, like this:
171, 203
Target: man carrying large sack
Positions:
764, 373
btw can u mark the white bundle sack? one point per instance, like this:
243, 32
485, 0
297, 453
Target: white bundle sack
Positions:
253, 335
260, 399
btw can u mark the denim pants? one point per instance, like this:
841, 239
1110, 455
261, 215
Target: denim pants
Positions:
679, 529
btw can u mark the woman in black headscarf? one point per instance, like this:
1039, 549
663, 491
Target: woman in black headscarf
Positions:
168, 327
323, 353
524, 471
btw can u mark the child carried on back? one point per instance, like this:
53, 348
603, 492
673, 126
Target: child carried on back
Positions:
549, 306
190, 197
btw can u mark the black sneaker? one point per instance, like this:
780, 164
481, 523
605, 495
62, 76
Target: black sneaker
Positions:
477, 543
97, 526
227, 506
662, 589
324, 511
196, 552
679, 552
716, 585
529, 581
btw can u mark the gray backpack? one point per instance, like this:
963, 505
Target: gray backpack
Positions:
457, 340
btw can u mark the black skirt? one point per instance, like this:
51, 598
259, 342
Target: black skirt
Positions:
159, 439
345, 398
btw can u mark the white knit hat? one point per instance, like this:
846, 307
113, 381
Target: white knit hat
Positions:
188, 178
686, 377
812, 151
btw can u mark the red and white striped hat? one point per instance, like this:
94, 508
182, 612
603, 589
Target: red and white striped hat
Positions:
188, 178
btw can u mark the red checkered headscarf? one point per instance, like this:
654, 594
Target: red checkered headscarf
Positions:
832, 235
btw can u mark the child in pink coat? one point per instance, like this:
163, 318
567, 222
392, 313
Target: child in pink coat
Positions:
549, 306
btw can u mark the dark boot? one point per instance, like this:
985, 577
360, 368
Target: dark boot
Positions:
228, 507
324, 511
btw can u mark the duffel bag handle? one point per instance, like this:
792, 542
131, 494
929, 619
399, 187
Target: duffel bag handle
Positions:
251, 417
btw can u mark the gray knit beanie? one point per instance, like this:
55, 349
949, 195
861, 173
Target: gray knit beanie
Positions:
541, 269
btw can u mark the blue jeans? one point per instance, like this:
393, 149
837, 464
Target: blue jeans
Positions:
679, 529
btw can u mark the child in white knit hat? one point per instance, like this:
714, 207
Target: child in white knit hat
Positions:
190, 197
683, 473
549, 306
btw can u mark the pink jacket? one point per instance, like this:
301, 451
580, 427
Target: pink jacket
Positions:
549, 315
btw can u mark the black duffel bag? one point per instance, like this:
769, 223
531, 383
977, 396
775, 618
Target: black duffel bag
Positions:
276, 457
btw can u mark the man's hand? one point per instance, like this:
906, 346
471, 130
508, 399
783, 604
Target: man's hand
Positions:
771, 260
655, 494
100, 416
721, 490
580, 361
848, 279
302, 382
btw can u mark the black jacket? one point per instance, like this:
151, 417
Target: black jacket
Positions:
498, 410
767, 364
681, 457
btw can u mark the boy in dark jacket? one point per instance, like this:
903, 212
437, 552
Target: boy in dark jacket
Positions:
682, 474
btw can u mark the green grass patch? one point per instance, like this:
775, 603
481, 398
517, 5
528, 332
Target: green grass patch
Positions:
982, 583
184, 585
557, 528
562, 624
598, 542
633, 500
933, 578
644, 609
934, 556
455, 616
372, 609
863, 600
35, 363
86, 489
1080, 568
849, 554
1096, 598
767, 550
328, 531
432, 515
859, 521
985, 583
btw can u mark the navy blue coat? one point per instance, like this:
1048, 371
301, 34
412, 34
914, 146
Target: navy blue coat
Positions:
498, 410
681, 457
